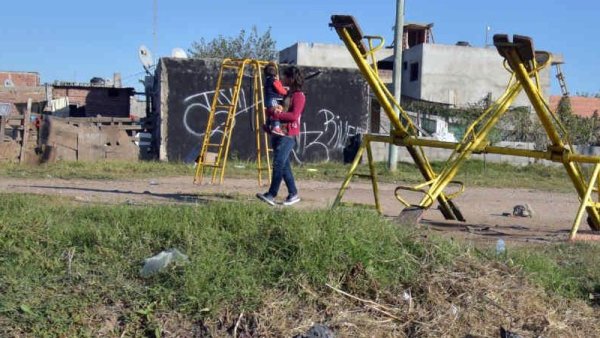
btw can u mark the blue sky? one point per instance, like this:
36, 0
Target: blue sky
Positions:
77, 40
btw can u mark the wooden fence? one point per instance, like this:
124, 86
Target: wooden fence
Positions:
34, 138
18, 136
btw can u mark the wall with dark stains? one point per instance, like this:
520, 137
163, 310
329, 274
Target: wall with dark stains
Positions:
337, 108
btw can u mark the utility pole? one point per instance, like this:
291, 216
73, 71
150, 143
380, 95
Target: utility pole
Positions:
397, 75
154, 27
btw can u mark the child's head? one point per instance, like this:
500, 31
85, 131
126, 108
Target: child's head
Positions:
271, 69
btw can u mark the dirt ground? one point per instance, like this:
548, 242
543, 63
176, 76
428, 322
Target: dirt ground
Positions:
482, 207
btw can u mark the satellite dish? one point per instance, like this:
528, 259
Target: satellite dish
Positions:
8, 83
146, 57
179, 53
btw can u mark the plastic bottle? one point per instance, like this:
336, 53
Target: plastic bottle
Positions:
500, 247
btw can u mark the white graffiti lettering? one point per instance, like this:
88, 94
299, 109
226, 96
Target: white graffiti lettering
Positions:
331, 136
198, 107
331, 133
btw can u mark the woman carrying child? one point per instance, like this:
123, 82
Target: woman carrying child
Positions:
283, 145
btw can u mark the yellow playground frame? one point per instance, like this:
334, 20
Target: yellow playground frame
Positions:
236, 70
524, 64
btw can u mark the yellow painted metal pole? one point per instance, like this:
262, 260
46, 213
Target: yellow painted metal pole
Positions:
373, 80
365, 145
257, 126
262, 141
542, 155
262, 120
585, 201
224, 153
264, 134
373, 176
535, 97
350, 173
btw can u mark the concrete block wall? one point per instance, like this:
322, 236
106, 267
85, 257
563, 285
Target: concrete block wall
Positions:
337, 108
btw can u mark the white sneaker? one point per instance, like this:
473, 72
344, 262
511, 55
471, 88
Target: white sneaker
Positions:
266, 198
292, 199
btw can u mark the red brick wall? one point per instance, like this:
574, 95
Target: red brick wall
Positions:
20, 79
76, 96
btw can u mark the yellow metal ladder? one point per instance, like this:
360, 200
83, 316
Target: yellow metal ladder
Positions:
215, 146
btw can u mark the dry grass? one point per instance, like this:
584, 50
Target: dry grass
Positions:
72, 271
467, 299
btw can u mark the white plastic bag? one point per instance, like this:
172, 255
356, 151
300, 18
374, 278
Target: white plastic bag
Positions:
160, 261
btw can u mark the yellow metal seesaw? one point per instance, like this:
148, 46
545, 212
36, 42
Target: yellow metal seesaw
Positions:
524, 64
352, 36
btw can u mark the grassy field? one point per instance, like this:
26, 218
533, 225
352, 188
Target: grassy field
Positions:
69, 269
73, 270
473, 173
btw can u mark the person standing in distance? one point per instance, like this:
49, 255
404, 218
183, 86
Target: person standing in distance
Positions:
283, 145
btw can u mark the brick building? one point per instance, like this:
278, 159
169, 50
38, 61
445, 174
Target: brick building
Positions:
17, 87
90, 100
19, 79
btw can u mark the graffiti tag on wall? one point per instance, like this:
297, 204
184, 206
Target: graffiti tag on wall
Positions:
197, 107
331, 134
326, 133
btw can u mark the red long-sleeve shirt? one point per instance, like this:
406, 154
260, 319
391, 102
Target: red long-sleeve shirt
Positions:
294, 113
279, 88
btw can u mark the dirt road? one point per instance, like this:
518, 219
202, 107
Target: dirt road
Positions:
482, 207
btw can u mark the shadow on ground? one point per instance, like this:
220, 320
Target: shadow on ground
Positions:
175, 197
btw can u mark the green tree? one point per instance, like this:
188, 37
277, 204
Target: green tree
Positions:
245, 45
582, 130
564, 110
